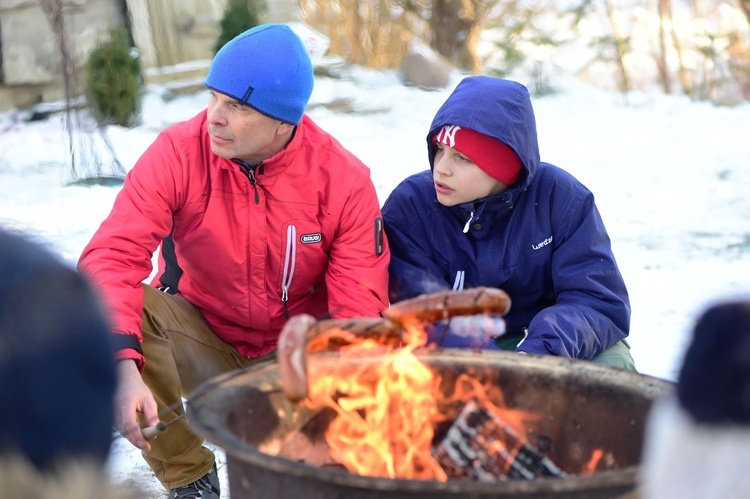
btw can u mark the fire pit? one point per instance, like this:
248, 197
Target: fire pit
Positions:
275, 447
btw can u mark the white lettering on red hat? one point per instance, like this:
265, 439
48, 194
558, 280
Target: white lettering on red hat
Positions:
447, 135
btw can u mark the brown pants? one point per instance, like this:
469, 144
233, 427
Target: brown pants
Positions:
181, 352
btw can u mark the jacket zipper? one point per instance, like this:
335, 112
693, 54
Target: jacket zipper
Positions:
249, 172
290, 261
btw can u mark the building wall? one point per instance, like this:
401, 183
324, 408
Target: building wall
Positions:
166, 33
30, 50
175, 39
172, 32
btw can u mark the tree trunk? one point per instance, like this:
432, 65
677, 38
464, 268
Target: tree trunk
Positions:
620, 49
686, 79
455, 29
665, 24
667, 33
745, 8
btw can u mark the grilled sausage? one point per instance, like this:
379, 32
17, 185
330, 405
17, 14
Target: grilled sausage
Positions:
292, 355
302, 334
319, 338
446, 304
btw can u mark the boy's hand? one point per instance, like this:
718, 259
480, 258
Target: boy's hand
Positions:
473, 331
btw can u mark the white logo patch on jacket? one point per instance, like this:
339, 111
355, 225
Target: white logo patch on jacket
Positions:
541, 244
311, 238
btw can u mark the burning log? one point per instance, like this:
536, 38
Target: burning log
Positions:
481, 446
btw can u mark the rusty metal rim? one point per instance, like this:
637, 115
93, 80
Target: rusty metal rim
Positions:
243, 451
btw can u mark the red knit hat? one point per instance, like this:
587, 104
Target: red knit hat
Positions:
492, 156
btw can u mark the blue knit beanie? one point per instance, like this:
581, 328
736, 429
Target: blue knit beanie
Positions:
267, 68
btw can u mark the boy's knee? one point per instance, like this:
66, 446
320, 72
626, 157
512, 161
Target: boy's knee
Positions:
618, 355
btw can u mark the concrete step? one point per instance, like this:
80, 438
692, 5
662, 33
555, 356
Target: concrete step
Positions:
186, 71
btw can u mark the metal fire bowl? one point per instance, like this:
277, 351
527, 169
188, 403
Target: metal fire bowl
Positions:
583, 406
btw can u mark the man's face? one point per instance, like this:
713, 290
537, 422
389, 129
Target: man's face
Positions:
458, 180
240, 132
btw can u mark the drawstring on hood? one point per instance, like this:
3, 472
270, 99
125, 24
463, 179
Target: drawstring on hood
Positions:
475, 210
468, 222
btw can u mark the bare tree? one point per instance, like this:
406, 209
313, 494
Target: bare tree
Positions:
740, 62
455, 26
374, 33
685, 79
377, 32
620, 45
745, 8
87, 145
665, 23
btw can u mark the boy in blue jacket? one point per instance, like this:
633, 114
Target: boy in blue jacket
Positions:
490, 213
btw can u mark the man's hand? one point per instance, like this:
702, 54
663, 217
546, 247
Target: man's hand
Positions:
133, 397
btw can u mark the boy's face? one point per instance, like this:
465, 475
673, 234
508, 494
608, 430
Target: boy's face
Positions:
458, 180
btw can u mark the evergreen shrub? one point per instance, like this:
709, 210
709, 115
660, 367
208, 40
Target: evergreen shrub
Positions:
239, 16
115, 81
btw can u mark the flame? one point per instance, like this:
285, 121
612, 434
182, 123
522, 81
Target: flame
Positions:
387, 410
590, 467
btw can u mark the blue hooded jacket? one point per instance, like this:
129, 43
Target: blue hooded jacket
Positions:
542, 240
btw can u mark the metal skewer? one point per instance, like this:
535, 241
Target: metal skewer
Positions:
151, 432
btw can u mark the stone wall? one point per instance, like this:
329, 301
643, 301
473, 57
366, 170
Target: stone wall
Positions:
175, 39
167, 33
170, 32
29, 50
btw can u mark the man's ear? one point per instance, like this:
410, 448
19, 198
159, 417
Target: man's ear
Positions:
284, 128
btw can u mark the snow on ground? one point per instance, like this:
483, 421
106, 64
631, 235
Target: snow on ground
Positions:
670, 177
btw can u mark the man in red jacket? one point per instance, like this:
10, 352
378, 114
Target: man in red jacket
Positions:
260, 215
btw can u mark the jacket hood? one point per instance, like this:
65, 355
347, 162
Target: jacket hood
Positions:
498, 108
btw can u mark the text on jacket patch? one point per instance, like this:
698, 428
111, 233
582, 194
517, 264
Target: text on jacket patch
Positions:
311, 238
542, 244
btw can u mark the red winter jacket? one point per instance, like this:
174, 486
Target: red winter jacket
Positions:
311, 225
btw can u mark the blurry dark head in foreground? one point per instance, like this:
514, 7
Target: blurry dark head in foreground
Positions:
57, 377
714, 382
697, 441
